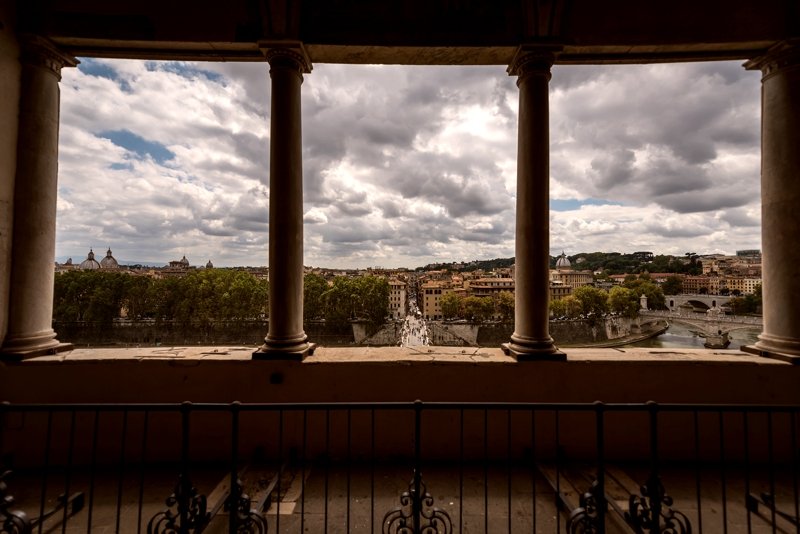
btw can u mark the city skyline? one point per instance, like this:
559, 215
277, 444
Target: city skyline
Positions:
193, 263
405, 166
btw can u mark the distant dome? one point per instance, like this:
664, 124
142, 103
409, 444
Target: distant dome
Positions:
184, 261
89, 264
209, 265
562, 262
109, 262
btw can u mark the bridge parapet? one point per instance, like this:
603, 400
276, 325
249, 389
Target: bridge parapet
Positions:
698, 302
699, 317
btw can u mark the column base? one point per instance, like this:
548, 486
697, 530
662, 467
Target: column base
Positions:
775, 347
528, 350
17, 350
278, 349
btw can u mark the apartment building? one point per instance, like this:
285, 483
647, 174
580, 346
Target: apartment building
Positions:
487, 287
432, 293
397, 298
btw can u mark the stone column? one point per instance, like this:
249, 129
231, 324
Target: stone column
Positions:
780, 198
286, 337
30, 331
10, 70
531, 339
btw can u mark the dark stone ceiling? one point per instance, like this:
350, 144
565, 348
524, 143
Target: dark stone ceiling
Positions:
415, 31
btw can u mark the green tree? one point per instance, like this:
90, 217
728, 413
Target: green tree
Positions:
167, 296
339, 301
673, 285
365, 298
314, 286
593, 301
504, 304
747, 304
71, 294
568, 307
660, 264
452, 305
244, 297
755, 298
623, 301
372, 299
478, 309
654, 294
557, 309
694, 266
88, 296
138, 297
739, 305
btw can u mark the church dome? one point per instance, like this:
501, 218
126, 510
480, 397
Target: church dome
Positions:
89, 264
184, 261
209, 265
562, 262
109, 262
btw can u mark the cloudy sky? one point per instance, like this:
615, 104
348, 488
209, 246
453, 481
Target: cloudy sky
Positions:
404, 166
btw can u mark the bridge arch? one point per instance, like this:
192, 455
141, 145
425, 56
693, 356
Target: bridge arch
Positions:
699, 303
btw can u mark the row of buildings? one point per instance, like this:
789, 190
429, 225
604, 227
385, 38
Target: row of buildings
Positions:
721, 275
563, 279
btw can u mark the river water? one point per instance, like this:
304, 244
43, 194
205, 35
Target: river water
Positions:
680, 336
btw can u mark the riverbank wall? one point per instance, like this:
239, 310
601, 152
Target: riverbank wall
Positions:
577, 332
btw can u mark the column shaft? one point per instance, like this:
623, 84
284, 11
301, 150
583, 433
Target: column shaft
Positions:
531, 338
780, 197
286, 337
30, 318
9, 126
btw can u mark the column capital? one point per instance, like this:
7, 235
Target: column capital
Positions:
42, 52
533, 59
286, 54
781, 56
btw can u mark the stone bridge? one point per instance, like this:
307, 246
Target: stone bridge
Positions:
698, 302
730, 322
714, 326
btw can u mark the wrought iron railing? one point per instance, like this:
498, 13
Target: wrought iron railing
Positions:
344, 467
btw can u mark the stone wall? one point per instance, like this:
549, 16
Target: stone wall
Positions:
149, 333
251, 333
455, 334
576, 332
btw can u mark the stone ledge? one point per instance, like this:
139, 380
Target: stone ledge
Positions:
401, 355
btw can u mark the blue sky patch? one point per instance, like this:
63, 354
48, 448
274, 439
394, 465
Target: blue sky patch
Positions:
92, 67
574, 204
140, 146
185, 70
121, 166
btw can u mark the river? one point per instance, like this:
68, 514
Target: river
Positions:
680, 336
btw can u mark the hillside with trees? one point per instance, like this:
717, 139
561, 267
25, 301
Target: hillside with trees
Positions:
618, 263
606, 262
